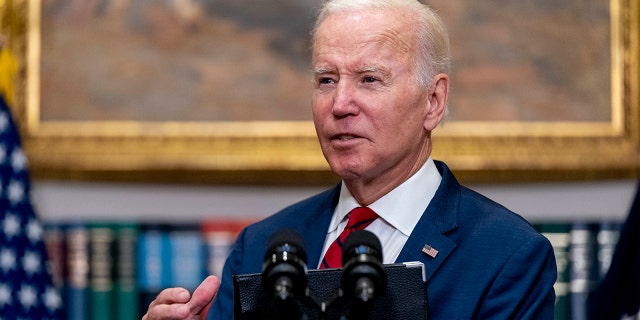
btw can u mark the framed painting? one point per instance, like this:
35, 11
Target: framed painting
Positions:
219, 91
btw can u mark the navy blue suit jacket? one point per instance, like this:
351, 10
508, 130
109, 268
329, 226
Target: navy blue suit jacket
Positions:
491, 263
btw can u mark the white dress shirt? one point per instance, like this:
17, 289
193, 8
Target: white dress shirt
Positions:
399, 211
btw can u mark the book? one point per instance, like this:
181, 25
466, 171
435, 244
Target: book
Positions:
153, 267
126, 291
219, 235
101, 271
54, 241
77, 248
608, 234
186, 256
584, 267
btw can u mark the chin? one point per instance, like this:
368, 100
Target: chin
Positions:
345, 171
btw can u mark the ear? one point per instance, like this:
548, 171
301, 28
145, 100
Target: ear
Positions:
437, 98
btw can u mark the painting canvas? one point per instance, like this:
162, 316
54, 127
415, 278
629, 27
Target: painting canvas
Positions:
550, 64
178, 60
241, 60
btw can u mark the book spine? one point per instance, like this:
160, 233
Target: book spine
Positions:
608, 235
558, 235
219, 236
126, 291
153, 262
56, 246
54, 241
187, 256
583, 256
101, 273
77, 240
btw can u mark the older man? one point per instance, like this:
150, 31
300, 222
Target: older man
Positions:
381, 86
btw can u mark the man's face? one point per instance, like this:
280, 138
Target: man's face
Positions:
368, 110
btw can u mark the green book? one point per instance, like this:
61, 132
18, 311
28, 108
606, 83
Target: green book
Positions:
101, 271
126, 291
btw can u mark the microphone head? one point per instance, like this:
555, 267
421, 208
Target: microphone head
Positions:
363, 275
361, 242
284, 271
286, 239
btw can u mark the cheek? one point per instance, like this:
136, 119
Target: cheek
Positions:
400, 128
319, 105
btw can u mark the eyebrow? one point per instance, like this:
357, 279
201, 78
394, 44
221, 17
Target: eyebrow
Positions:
322, 70
371, 68
365, 69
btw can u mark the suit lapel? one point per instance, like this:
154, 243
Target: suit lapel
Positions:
317, 224
440, 217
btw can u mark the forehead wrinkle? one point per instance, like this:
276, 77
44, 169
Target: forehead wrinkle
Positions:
394, 39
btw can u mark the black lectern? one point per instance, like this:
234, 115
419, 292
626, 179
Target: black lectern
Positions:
405, 297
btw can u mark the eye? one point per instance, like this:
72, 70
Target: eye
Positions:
325, 80
369, 79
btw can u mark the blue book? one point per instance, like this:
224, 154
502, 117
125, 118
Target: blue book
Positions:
187, 260
153, 262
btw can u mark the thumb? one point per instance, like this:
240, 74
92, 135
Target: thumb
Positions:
203, 296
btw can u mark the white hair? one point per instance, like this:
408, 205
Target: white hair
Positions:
432, 56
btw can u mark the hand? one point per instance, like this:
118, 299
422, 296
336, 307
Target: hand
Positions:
177, 303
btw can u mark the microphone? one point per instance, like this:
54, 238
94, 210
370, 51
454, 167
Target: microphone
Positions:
284, 271
363, 276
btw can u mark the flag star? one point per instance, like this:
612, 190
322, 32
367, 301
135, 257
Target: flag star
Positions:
11, 225
31, 262
52, 299
27, 296
34, 230
18, 160
7, 259
16, 191
5, 294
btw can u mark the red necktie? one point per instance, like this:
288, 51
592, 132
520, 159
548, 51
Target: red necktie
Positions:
359, 218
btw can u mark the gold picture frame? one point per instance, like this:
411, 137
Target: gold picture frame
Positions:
287, 152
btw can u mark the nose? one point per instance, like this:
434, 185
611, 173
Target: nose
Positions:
344, 101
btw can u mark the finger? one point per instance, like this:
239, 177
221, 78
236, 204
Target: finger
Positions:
203, 295
169, 304
171, 296
168, 312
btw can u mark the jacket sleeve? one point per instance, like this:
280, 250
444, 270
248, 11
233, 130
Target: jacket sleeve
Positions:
222, 307
523, 292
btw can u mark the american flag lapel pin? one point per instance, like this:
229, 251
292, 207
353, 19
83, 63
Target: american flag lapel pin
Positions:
430, 251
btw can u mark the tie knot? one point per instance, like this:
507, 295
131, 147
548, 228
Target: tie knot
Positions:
360, 218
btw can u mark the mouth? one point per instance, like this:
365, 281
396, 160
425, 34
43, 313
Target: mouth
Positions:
343, 137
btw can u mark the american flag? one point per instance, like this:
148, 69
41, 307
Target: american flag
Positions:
26, 289
430, 251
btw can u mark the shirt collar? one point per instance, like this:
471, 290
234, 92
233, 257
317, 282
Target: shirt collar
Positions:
403, 206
